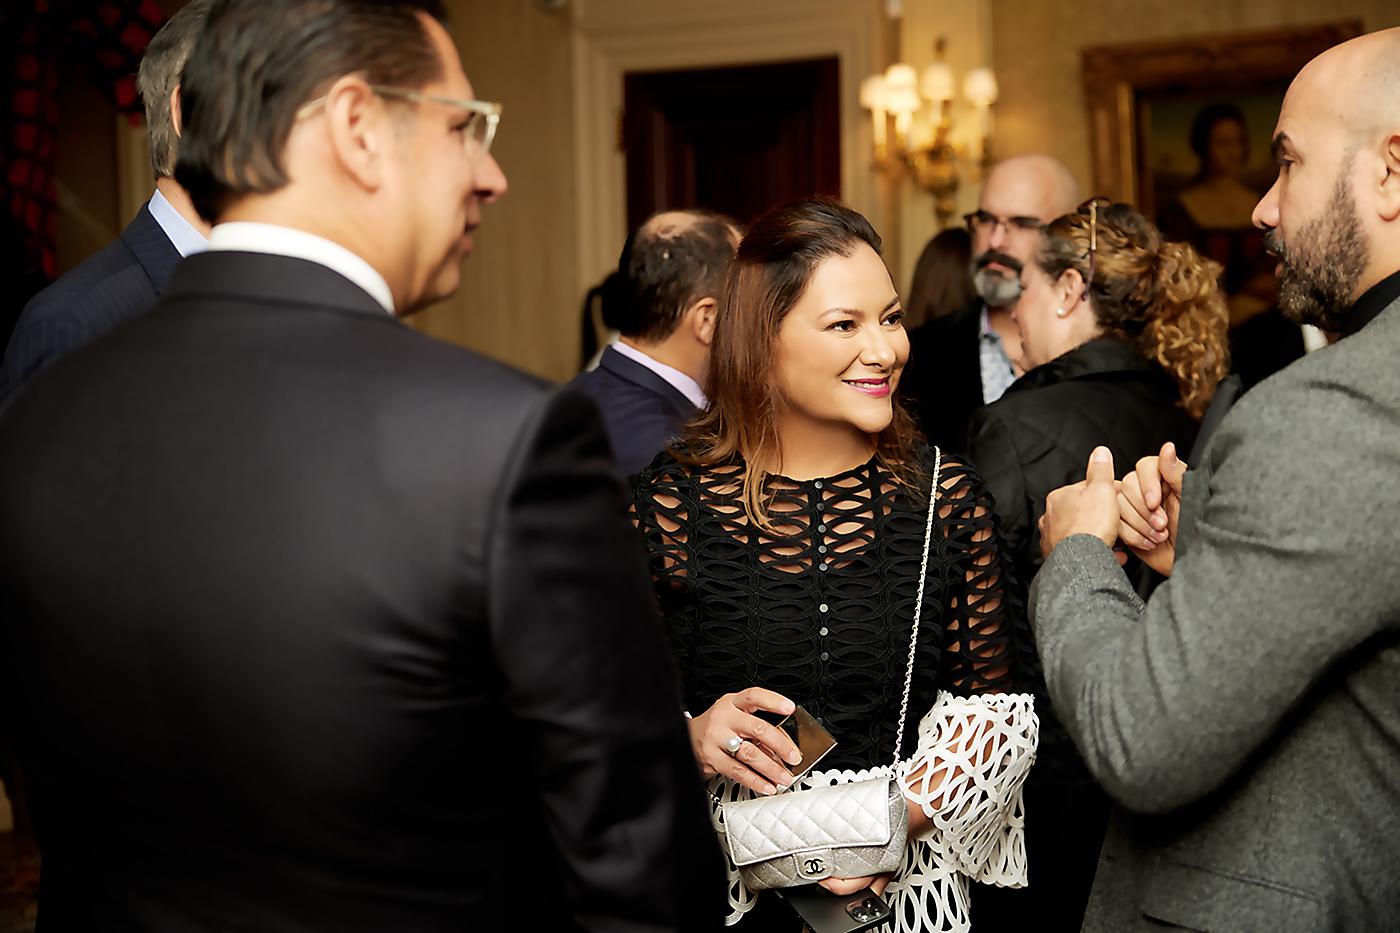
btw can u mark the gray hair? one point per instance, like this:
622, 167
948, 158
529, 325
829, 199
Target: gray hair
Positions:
159, 76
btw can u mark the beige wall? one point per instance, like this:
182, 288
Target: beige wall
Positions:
1036, 52
518, 300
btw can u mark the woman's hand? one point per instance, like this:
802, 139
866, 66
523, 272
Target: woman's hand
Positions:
844, 886
1149, 505
756, 764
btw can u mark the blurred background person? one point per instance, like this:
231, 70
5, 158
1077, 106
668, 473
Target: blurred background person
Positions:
652, 380
942, 282
1124, 334
962, 361
598, 324
1213, 215
786, 533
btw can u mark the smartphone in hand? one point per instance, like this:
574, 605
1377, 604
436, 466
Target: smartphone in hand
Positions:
810, 737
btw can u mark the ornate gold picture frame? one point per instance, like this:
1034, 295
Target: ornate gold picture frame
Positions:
1122, 83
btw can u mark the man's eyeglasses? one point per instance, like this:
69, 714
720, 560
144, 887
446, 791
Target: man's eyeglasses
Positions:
482, 116
983, 222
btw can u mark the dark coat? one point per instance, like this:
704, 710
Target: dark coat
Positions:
942, 384
112, 286
641, 411
311, 622
1034, 439
1039, 435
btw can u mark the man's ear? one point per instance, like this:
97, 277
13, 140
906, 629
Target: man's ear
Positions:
359, 127
1388, 200
175, 116
700, 318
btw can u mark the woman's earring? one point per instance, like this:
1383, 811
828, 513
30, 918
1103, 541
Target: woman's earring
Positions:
1061, 312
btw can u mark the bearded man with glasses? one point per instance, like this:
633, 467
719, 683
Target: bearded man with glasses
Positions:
963, 361
308, 621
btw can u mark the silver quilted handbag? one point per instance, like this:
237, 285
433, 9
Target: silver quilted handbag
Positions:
842, 831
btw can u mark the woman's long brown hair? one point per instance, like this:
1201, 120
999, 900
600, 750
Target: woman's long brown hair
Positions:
771, 271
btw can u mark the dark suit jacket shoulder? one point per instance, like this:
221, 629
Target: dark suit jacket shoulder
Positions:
641, 411
367, 636
942, 383
115, 284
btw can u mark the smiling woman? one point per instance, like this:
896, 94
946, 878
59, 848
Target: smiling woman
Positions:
786, 533
807, 349
839, 352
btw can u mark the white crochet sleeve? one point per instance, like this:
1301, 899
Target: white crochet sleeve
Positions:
973, 756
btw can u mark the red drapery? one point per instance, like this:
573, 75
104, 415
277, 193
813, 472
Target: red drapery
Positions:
105, 37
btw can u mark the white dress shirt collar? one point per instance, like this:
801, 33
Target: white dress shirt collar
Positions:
678, 380
246, 237
185, 238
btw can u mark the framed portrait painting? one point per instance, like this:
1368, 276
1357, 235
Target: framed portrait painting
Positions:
1182, 130
1143, 96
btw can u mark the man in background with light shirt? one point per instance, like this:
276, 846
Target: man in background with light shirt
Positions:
962, 361
652, 380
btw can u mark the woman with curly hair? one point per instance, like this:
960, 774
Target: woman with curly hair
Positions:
1124, 341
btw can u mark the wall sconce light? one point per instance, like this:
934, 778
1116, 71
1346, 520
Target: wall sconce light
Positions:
925, 147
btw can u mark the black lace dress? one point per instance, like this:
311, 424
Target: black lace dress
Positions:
822, 611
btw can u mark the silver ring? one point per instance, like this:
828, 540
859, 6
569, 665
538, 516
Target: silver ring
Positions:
733, 744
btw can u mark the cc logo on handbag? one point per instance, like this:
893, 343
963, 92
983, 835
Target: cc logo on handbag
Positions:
814, 866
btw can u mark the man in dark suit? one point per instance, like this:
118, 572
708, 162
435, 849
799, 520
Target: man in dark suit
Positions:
963, 361
1246, 716
652, 381
312, 622
125, 278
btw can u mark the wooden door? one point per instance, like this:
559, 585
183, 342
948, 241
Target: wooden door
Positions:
734, 140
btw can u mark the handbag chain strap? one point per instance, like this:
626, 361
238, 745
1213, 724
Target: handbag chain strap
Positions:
918, 606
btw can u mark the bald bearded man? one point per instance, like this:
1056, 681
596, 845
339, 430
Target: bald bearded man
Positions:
1247, 718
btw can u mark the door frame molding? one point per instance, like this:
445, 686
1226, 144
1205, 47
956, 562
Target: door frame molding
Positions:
612, 39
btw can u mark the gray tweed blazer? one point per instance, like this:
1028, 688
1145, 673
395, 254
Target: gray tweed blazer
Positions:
1247, 718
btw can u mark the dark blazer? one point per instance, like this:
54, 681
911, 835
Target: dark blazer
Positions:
942, 383
1225, 397
1039, 435
641, 411
1034, 439
1263, 345
1245, 718
319, 624
113, 285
